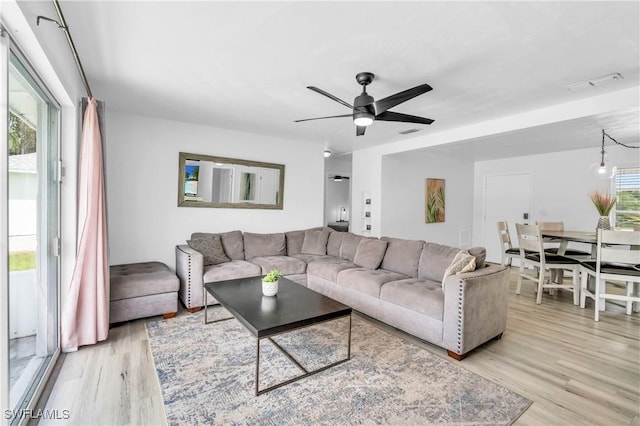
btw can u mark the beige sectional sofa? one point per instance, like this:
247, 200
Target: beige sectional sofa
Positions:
396, 281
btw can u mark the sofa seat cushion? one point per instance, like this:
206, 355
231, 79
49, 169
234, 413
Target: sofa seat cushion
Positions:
419, 295
328, 269
230, 271
310, 258
367, 281
141, 279
285, 264
256, 245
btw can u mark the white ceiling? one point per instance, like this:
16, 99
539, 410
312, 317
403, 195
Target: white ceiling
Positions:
246, 65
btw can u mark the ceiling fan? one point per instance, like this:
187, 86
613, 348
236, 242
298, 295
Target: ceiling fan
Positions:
366, 109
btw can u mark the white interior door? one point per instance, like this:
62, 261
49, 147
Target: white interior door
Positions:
506, 197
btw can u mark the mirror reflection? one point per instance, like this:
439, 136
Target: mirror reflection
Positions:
209, 181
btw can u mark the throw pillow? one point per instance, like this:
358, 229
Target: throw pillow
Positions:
462, 262
315, 242
370, 253
211, 249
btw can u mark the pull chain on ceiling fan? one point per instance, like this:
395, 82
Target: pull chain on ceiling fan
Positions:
365, 109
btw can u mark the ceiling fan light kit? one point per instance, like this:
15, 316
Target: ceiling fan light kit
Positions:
362, 118
365, 109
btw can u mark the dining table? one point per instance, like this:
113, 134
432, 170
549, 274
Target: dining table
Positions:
565, 237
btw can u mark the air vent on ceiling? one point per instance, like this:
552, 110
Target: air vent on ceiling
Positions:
406, 132
594, 82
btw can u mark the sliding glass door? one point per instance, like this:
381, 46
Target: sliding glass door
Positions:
30, 233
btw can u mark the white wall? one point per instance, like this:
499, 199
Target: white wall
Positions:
145, 222
403, 204
561, 186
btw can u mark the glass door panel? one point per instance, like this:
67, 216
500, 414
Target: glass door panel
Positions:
32, 150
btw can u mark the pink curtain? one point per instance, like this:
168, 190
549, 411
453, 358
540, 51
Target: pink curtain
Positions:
85, 317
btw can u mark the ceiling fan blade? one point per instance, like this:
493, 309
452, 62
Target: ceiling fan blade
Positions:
322, 118
330, 96
404, 118
390, 101
360, 130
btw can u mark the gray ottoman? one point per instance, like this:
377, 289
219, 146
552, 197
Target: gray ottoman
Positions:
140, 290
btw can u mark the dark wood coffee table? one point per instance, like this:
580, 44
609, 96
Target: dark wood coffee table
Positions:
294, 307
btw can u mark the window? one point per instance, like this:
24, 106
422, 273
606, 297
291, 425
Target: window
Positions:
627, 187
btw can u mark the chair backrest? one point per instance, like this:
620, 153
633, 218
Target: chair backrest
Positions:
503, 234
609, 249
529, 239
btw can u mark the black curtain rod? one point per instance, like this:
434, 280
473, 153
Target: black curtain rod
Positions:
62, 24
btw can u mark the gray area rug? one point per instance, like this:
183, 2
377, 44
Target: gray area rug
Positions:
207, 372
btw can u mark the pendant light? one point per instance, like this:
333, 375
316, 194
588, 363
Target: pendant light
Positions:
603, 169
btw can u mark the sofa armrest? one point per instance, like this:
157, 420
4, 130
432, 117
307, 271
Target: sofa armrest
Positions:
190, 270
475, 307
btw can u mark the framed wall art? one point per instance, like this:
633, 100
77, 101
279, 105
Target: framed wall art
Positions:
434, 200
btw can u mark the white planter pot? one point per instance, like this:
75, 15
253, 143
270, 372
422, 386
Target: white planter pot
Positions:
270, 289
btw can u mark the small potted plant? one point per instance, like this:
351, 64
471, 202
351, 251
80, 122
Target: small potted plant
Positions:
603, 203
270, 282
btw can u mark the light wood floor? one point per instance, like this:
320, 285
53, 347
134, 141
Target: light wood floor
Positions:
576, 371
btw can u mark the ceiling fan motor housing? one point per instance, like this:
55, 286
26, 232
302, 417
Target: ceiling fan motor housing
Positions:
363, 106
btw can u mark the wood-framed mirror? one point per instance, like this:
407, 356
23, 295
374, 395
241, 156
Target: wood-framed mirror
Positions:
220, 182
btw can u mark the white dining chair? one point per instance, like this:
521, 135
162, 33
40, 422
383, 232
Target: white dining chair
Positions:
532, 253
507, 251
617, 262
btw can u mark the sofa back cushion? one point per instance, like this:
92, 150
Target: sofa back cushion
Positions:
370, 253
436, 258
402, 256
334, 243
294, 242
232, 243
315, 241
349, 245
264, 245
